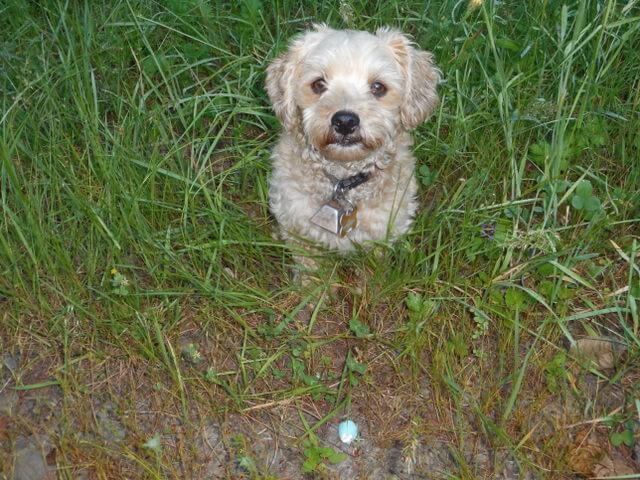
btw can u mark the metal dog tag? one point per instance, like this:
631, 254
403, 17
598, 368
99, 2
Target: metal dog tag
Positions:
328, 216
336, 218
339, 216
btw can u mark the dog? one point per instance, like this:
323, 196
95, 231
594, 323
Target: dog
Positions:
343, 171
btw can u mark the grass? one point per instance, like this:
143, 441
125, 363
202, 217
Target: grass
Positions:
138, 270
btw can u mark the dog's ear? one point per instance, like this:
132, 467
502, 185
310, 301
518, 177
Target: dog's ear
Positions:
420, 97
281, 75
279, 83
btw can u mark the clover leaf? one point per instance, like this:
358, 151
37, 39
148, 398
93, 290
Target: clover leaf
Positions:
427, 176
584, 200
540, 153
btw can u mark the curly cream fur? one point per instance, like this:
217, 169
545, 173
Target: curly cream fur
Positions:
349, 62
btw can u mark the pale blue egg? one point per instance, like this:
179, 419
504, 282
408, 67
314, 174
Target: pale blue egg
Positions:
347, 431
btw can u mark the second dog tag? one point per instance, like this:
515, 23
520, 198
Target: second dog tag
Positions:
348, 221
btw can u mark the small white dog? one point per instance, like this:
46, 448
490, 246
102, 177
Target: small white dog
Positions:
343, 169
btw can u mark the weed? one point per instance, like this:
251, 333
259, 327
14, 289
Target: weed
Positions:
584, 200
119, 283
426, 176
316, 456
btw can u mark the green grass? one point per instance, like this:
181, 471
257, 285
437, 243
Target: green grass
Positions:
137, 263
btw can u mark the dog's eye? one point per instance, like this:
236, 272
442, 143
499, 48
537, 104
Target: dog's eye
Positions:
378, 89
319, 86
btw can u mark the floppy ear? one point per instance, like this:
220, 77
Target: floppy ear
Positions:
420, 97
281, 75
279, 83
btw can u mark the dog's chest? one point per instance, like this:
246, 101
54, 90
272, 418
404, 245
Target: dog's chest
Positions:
382, 206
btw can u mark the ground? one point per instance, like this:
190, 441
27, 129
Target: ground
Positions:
150, 326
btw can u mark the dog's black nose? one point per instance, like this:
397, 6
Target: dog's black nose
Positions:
345, 122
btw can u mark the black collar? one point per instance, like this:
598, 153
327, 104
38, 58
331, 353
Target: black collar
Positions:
346, 184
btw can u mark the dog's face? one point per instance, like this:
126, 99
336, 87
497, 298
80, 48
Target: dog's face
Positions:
350, 92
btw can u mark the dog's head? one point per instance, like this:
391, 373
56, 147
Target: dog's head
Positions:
350, 92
